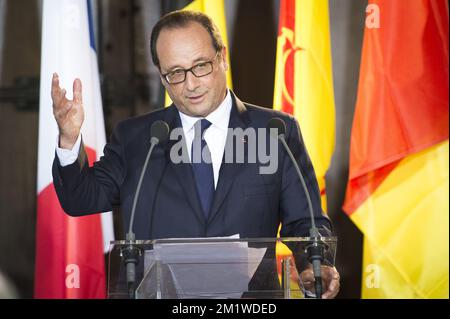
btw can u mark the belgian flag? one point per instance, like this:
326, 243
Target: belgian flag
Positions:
398, 188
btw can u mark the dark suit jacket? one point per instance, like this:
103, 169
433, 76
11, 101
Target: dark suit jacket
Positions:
245, 203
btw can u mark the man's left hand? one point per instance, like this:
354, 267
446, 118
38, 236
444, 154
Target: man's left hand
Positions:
330, 281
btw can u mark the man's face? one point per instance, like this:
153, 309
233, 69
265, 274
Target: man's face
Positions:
182, 48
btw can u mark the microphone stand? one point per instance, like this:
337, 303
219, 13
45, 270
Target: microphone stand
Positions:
130, 253
315, 249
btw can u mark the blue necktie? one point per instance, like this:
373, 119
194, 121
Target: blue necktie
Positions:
202, 166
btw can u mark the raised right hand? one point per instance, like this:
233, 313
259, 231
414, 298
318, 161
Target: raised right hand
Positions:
69, 114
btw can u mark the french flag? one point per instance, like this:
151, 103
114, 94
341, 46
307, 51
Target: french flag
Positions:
69, 251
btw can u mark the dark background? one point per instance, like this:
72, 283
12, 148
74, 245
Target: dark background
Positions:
130, 86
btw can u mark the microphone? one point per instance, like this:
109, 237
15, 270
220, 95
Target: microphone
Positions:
316, 248
159, 134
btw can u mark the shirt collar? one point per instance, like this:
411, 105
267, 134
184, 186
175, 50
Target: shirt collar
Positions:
219, 117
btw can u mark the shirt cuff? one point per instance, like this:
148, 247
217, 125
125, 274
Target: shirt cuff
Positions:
68, 157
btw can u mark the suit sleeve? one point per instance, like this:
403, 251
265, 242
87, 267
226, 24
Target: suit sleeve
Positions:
294, 209
84, 190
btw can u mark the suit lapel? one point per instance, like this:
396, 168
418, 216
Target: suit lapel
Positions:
228, 171
183, 171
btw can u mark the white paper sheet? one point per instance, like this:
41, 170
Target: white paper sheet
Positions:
208, 269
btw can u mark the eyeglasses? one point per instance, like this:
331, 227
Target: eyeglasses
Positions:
198, 70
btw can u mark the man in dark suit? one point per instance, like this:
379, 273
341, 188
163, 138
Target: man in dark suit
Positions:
204, 198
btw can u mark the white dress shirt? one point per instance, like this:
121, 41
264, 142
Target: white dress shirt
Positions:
67, 157
215, 136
